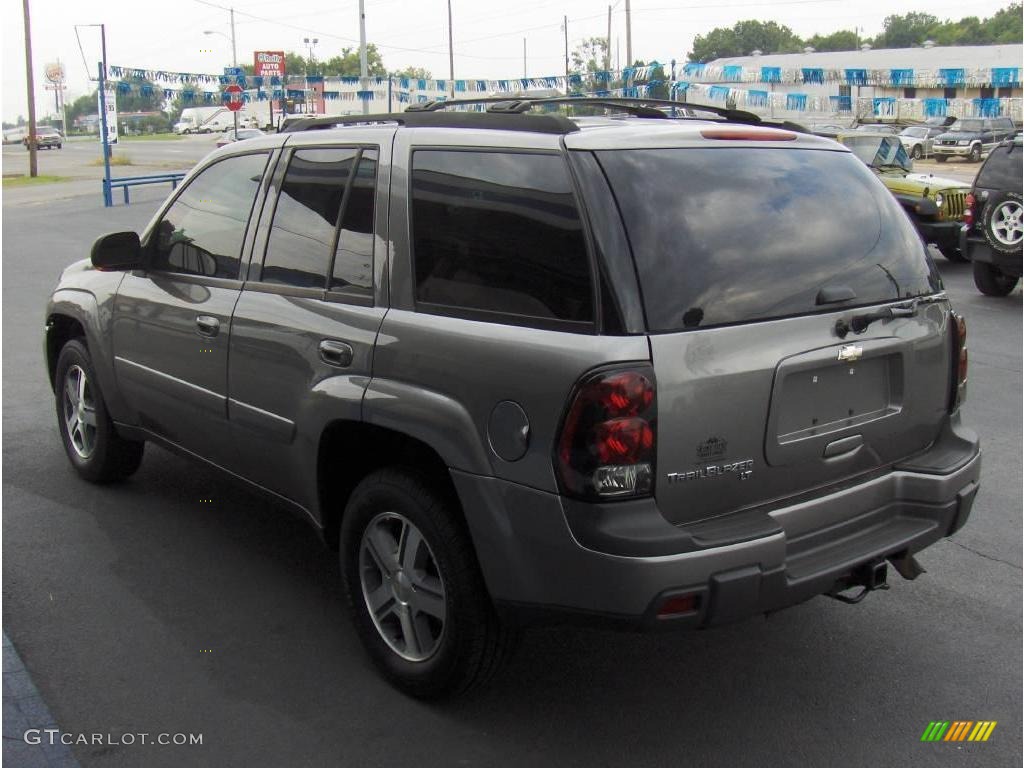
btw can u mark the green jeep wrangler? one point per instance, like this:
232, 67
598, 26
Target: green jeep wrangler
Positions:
936, 205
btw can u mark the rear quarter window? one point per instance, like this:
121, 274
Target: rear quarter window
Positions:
1002, 170
732, 235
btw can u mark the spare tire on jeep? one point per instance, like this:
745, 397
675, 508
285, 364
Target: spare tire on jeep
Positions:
1001, 222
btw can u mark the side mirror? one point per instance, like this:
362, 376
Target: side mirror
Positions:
120, 250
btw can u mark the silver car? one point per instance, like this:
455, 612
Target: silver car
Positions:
522, 367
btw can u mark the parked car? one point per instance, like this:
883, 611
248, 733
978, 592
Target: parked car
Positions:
993, 229
46, 138
231, 137
919, 140
971, 137
519, 367
886, 128
935, 205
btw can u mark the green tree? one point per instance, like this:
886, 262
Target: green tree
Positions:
843, 40
743, 38
347, 64
906, 31
413, 73
590, 55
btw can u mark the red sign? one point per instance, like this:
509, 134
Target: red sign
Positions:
269, 64
234, 93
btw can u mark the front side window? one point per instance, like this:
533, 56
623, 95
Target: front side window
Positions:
202, 232
499, 232
306, 217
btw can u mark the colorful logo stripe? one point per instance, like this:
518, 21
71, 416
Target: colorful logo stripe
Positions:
958, 730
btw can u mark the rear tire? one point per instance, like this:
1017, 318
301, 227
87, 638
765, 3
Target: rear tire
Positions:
991, 281
404, 550
96, 451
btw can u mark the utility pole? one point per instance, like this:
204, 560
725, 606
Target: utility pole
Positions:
363, 68
524, 58
33, 168
608, 50
451, 53
629, 37
565, 26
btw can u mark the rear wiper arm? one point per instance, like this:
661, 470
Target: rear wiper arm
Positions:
860, 323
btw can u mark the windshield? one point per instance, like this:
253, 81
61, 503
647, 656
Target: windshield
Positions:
915, 133
971, 126
729, 235
879, 151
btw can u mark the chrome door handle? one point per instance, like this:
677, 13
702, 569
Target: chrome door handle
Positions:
207, 326
336, 353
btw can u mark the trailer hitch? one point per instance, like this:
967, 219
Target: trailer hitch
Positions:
868, 577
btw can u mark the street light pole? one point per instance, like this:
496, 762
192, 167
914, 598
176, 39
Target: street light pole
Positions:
629, 37
33, 168
363, 68
234, 62
451, 53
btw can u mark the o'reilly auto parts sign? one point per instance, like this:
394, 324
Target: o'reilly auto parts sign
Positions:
269, 64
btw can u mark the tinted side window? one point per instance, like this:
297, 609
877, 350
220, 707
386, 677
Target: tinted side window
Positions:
353, 260
500, 232
202, 232
1002, 170
306, 217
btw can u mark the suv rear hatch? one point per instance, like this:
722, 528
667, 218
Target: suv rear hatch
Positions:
753, 262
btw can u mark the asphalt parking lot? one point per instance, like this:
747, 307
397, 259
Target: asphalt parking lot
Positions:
140, 608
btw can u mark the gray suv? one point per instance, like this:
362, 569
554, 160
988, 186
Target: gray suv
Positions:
522, 367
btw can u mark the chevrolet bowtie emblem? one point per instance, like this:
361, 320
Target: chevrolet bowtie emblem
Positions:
850, 352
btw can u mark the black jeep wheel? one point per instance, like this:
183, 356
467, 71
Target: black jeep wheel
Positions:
975, 156
952, 253
96, 451
415, 591
992, 281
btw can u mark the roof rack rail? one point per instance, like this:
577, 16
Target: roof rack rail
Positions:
635, 106
411, 118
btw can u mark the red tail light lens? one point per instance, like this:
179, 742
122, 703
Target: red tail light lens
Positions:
959, 326
607, 443
969, 210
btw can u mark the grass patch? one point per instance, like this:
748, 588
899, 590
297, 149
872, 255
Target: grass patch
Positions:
152, 137
31, 181
114, 160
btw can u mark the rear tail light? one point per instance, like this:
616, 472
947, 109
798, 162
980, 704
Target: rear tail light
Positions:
969, 210
606, 447
959, 327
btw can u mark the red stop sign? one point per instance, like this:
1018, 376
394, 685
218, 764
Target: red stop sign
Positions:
234, 93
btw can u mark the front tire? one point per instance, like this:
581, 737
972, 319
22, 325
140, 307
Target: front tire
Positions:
952, 253
917, 153
415, 592
991, 281
940, 158
96, 451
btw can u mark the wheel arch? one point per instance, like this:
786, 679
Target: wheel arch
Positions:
350, 450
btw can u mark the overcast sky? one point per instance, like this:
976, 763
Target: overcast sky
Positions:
488, 33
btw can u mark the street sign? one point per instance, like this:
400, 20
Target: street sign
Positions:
233, 71
234, 93
111, 99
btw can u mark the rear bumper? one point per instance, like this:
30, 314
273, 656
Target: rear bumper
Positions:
975, 248
543, 560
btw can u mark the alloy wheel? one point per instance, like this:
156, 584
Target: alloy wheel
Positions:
402, 586
79, 410
1007, 226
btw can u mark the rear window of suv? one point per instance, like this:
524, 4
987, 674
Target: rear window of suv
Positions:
1002, 170
730, 235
